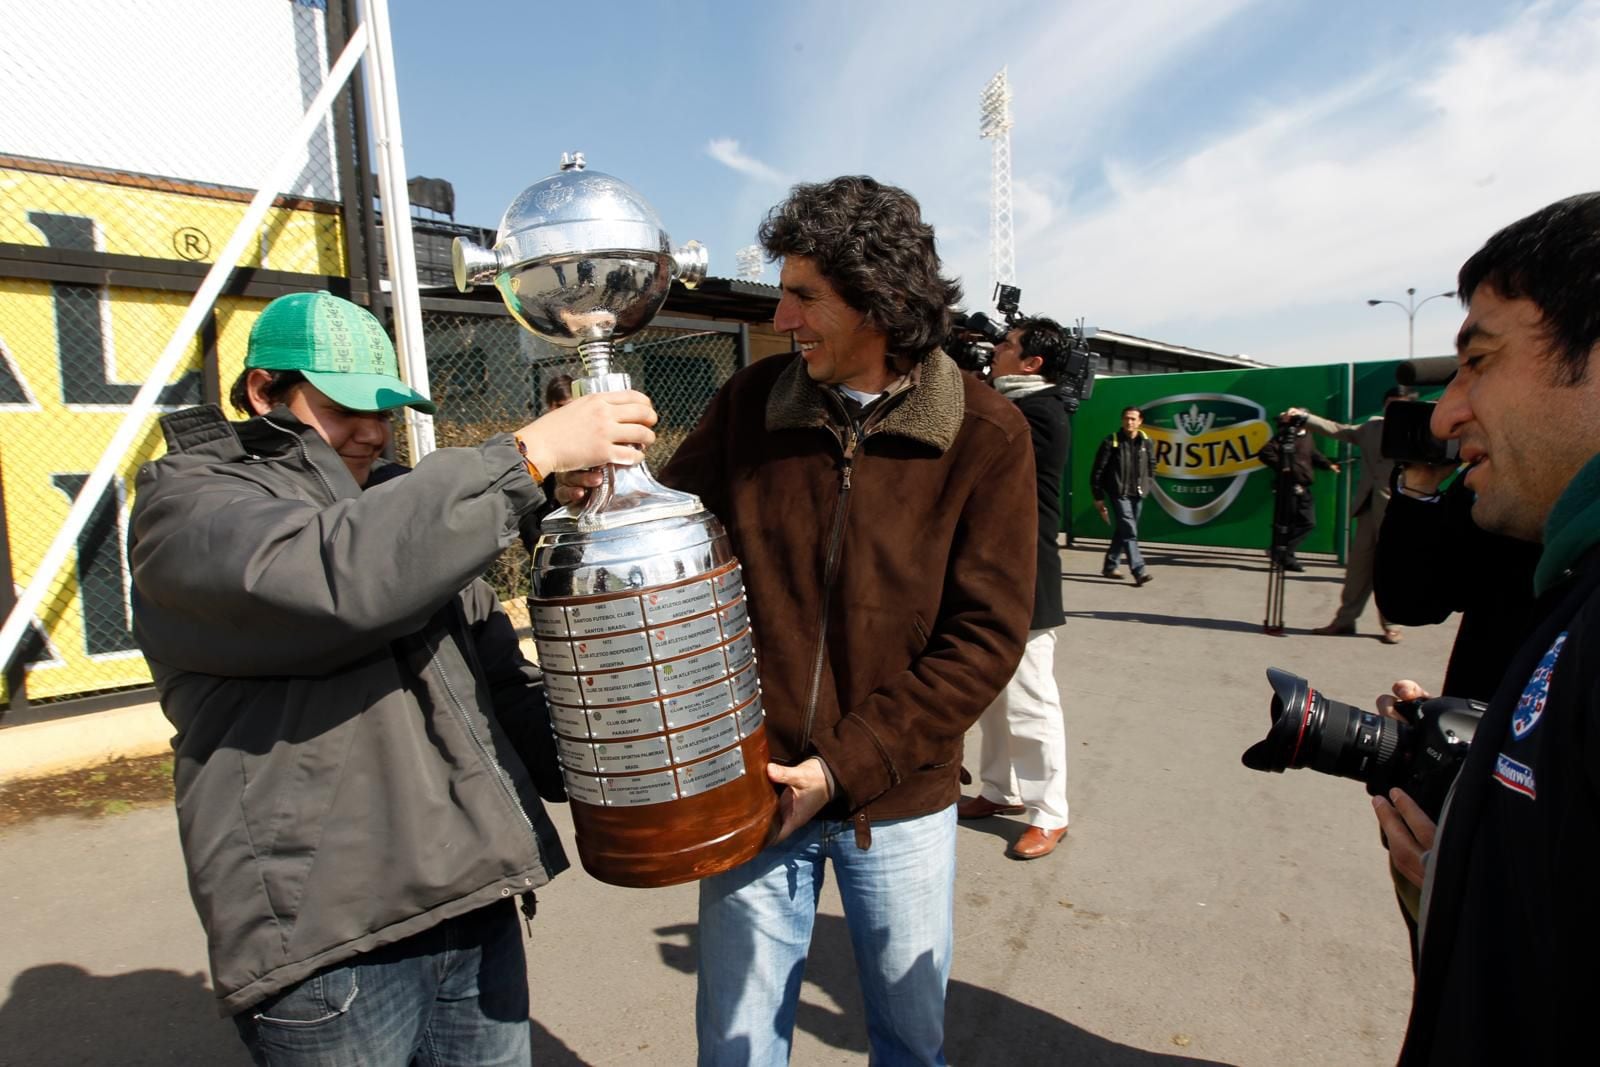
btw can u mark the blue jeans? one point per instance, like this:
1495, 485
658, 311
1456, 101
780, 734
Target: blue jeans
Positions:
755, 931
455, 994
1125, 534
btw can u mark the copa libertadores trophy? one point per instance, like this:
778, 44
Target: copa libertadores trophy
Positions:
638, 603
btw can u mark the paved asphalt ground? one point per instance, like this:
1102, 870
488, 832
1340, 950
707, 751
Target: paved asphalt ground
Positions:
1197, 913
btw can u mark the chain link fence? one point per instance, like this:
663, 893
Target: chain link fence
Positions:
488, 376
131, 144
123, 183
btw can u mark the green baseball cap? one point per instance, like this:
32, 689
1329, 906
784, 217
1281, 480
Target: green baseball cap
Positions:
339, 347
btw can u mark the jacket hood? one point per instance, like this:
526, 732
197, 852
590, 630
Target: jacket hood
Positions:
931, 412
206, 432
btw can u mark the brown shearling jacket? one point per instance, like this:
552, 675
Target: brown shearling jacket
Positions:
890, 574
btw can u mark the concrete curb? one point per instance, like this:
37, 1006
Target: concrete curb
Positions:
41, 748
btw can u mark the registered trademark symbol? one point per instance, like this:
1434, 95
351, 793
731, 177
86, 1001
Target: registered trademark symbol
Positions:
191, 243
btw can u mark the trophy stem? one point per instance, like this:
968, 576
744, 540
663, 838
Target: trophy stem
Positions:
596, 357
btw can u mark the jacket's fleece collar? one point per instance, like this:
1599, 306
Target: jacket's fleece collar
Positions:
931, 412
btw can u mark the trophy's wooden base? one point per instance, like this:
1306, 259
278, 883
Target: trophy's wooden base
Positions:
681, 840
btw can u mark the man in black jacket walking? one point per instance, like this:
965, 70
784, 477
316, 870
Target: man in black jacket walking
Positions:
1123, 473
1023, 762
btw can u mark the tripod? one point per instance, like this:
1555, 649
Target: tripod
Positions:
1283, 514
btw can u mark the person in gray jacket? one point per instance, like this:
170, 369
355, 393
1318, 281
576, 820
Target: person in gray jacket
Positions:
354, 819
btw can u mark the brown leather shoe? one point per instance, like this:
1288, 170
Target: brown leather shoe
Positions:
1035, 842
1334, 630
981, 807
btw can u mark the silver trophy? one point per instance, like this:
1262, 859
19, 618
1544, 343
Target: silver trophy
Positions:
638, 604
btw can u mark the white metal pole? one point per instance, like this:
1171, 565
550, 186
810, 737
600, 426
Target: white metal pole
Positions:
282, 173
397, 240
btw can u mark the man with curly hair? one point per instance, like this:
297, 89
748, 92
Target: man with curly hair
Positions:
882, 504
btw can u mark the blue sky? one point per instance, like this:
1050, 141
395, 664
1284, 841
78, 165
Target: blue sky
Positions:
1230, 175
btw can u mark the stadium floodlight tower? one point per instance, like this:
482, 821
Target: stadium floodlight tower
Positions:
994, 123
752, 263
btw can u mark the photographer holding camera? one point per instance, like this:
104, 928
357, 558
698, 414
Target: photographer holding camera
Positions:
1296, 460
1024, 748
1428, 541
1508, 933
1368, 503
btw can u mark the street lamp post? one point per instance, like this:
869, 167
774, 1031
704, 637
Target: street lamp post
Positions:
1410, 307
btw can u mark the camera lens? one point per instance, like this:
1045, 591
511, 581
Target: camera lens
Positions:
1310, 730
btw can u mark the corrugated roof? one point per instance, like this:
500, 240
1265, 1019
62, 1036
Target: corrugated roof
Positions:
1132, 341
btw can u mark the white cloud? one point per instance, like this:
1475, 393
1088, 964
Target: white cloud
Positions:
903, 105
1264, 223
726, 150
1033, 203
1270, 240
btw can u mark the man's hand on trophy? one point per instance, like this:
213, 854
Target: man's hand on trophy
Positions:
573, 486
810, 786
590, 431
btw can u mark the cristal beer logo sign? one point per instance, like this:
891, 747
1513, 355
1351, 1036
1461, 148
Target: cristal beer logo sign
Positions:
1205, 447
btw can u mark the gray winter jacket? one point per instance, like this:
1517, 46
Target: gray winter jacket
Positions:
334, 667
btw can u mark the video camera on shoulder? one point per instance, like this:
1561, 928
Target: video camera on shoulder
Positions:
973, 336
972, 340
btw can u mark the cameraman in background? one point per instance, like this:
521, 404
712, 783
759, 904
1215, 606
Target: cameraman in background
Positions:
1024, 748
1295, 459
1368, 503
1509, 941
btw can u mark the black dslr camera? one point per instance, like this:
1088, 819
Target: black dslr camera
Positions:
1408, 437
1420, 755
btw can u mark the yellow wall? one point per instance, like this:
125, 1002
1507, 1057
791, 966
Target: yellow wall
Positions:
64, 389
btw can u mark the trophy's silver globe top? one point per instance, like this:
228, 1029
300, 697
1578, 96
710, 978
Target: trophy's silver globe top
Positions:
582, 260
